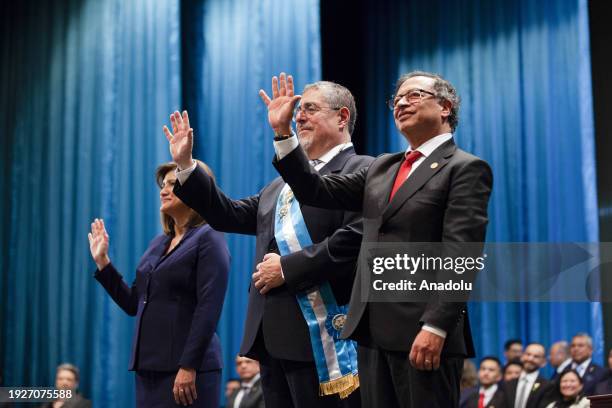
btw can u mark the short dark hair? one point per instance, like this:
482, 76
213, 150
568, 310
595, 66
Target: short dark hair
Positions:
565, 372
444, 90
491, 358
510, 342
512, 362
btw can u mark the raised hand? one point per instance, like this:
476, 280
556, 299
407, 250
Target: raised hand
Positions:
98, 244
180, 139
282, 104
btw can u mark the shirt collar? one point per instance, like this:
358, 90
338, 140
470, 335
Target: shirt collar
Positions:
432, 144
531, 377
326, 158
252, 382
488, 392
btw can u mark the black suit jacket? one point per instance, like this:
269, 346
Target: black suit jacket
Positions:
498, 400
177, 300
254, 399
593, 375
541, 394
446, 202
285, 331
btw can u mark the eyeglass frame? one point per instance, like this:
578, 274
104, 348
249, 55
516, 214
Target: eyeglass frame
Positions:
392, 104
310, 110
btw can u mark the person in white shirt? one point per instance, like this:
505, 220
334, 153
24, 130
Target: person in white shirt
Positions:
488, 394
249, 395
530, 390
559, 357
581, 351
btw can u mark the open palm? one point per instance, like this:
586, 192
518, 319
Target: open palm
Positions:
98, 242
180, 139
282, 104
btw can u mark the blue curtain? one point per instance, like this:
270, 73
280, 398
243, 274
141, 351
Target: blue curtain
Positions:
87, 85
523, 71
241, 44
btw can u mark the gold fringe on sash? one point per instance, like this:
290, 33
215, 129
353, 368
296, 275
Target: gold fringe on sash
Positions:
342, 386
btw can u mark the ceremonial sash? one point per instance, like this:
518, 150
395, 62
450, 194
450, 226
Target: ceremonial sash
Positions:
335, 359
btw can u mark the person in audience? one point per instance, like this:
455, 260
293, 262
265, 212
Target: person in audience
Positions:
605, 386
581, 351
512, 370
469, 377
488, 394
232, 385
559, 357
250, 394
177, 297
67, 378
530, 390
570, 390
513, 350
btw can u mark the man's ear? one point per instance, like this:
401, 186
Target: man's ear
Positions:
446, 107
345, 117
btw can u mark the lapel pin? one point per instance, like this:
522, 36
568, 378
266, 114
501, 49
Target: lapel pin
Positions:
434, 165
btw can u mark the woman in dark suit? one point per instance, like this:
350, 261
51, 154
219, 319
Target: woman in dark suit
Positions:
177, 298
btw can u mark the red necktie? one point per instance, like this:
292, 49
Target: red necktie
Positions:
404, 171
481, 400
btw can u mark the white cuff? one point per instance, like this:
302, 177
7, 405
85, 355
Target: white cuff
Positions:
284, 147
434, 330
183, 175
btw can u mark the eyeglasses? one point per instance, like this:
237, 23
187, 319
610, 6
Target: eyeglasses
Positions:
310, 109
412, 96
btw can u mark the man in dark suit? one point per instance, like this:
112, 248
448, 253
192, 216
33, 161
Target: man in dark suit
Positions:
276, 333
581, 351
488, 394
250, 394
410, 353
530, 390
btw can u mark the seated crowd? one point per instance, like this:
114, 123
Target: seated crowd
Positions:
520, 383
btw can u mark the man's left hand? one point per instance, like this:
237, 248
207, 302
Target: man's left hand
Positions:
268, 275
426, 350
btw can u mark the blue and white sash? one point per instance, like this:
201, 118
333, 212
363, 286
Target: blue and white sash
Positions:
336, 359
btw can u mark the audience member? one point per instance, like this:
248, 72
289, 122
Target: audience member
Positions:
513, 349
67, 378
559, 357
605, 386
469, 377
581, 351
512, 370
489, 394
570, 391
250, 394
231, 385
530, 390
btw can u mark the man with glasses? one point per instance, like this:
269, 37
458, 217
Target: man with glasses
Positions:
291, 347
410, 353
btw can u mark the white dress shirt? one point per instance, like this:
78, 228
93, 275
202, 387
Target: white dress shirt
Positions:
488, 393
245, 388
581, 368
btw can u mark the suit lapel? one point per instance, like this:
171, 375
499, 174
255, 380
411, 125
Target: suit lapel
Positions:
162, 248
419, 177
336, 164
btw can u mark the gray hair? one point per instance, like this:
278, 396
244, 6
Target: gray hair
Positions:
587, 337
444, 91
338, 97
69, 367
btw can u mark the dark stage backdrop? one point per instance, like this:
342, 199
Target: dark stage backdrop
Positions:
523, 71
86, 88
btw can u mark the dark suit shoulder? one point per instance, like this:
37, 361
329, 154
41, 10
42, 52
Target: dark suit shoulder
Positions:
358, 161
